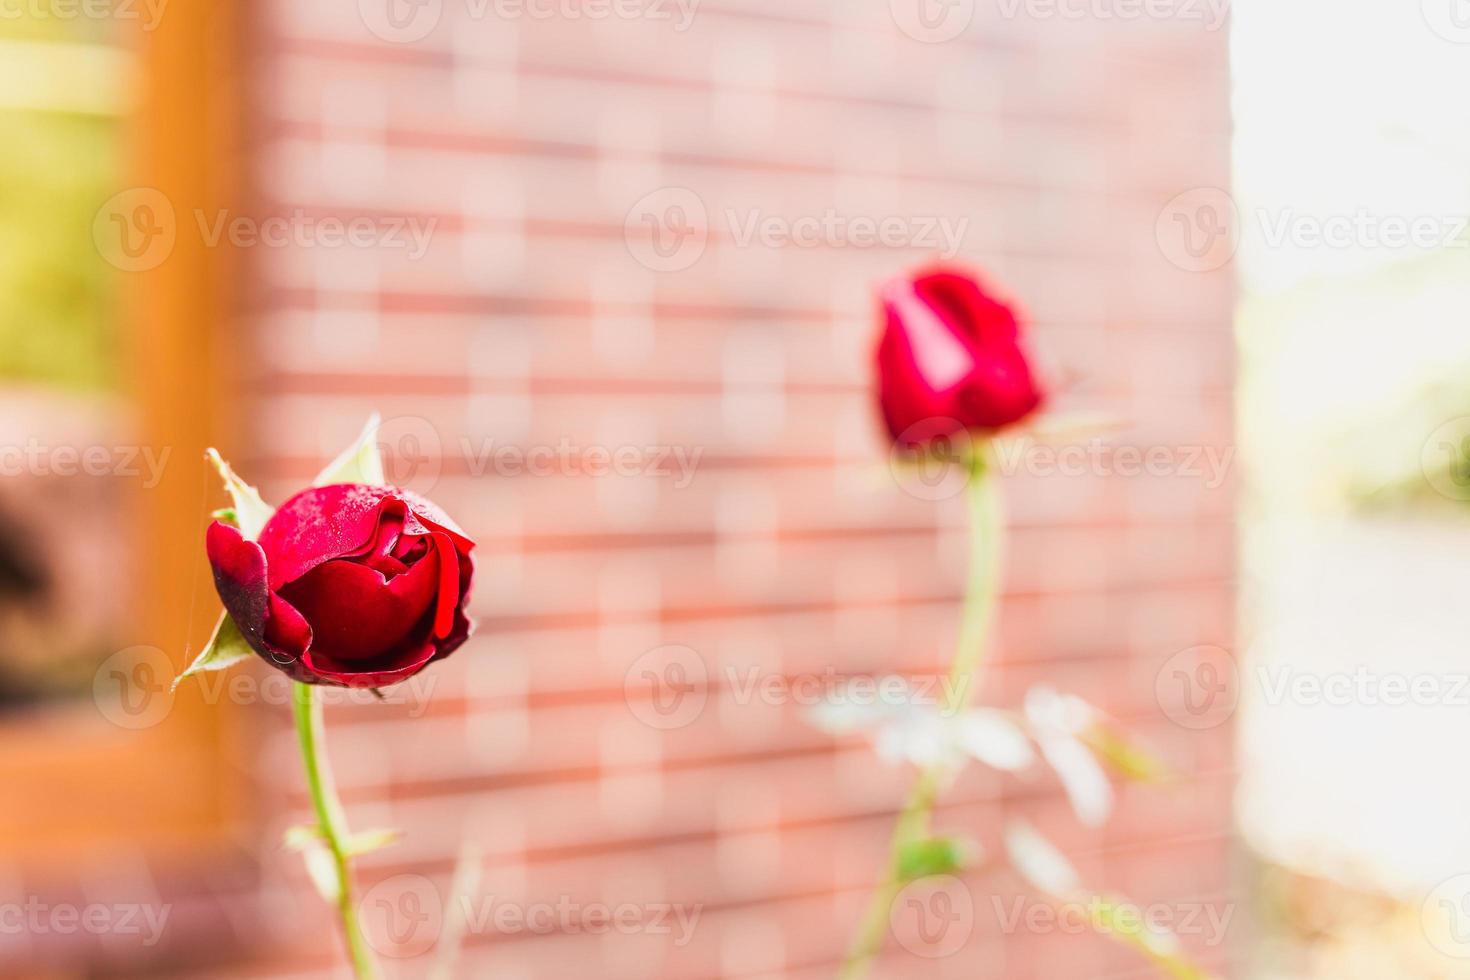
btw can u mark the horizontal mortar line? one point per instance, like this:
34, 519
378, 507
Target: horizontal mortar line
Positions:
558, 621
1006, 795
398, 137
479, 302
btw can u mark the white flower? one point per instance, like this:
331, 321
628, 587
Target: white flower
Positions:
914, 728
1056, 722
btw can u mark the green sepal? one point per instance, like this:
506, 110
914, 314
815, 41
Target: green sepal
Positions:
251, 512
361, 462
934, 856
226, 647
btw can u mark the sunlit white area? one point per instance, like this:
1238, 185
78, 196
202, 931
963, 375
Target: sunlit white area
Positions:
1352, 158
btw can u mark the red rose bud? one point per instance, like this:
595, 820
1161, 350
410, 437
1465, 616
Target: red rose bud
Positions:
351, 585
950, 359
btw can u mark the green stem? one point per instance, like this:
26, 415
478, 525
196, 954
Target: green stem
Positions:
331, 822
981, 592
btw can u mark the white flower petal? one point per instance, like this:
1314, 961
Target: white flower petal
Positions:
994, 739
1039, 862
1048, 710
1082, 777
843, 717
921, 738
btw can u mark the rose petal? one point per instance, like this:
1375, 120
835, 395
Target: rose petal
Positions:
411, 657
357, 614
318, 525
240, 578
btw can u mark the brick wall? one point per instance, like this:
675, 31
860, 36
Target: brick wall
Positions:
526, 148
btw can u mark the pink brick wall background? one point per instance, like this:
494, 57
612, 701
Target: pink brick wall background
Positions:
529, 321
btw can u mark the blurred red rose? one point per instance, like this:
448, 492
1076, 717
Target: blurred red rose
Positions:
950, 359
351, 585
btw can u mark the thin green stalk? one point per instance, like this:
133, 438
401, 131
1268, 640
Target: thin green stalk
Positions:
331, 822
981, 592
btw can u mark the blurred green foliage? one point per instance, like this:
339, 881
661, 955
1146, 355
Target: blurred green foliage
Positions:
57, 304
58, 319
